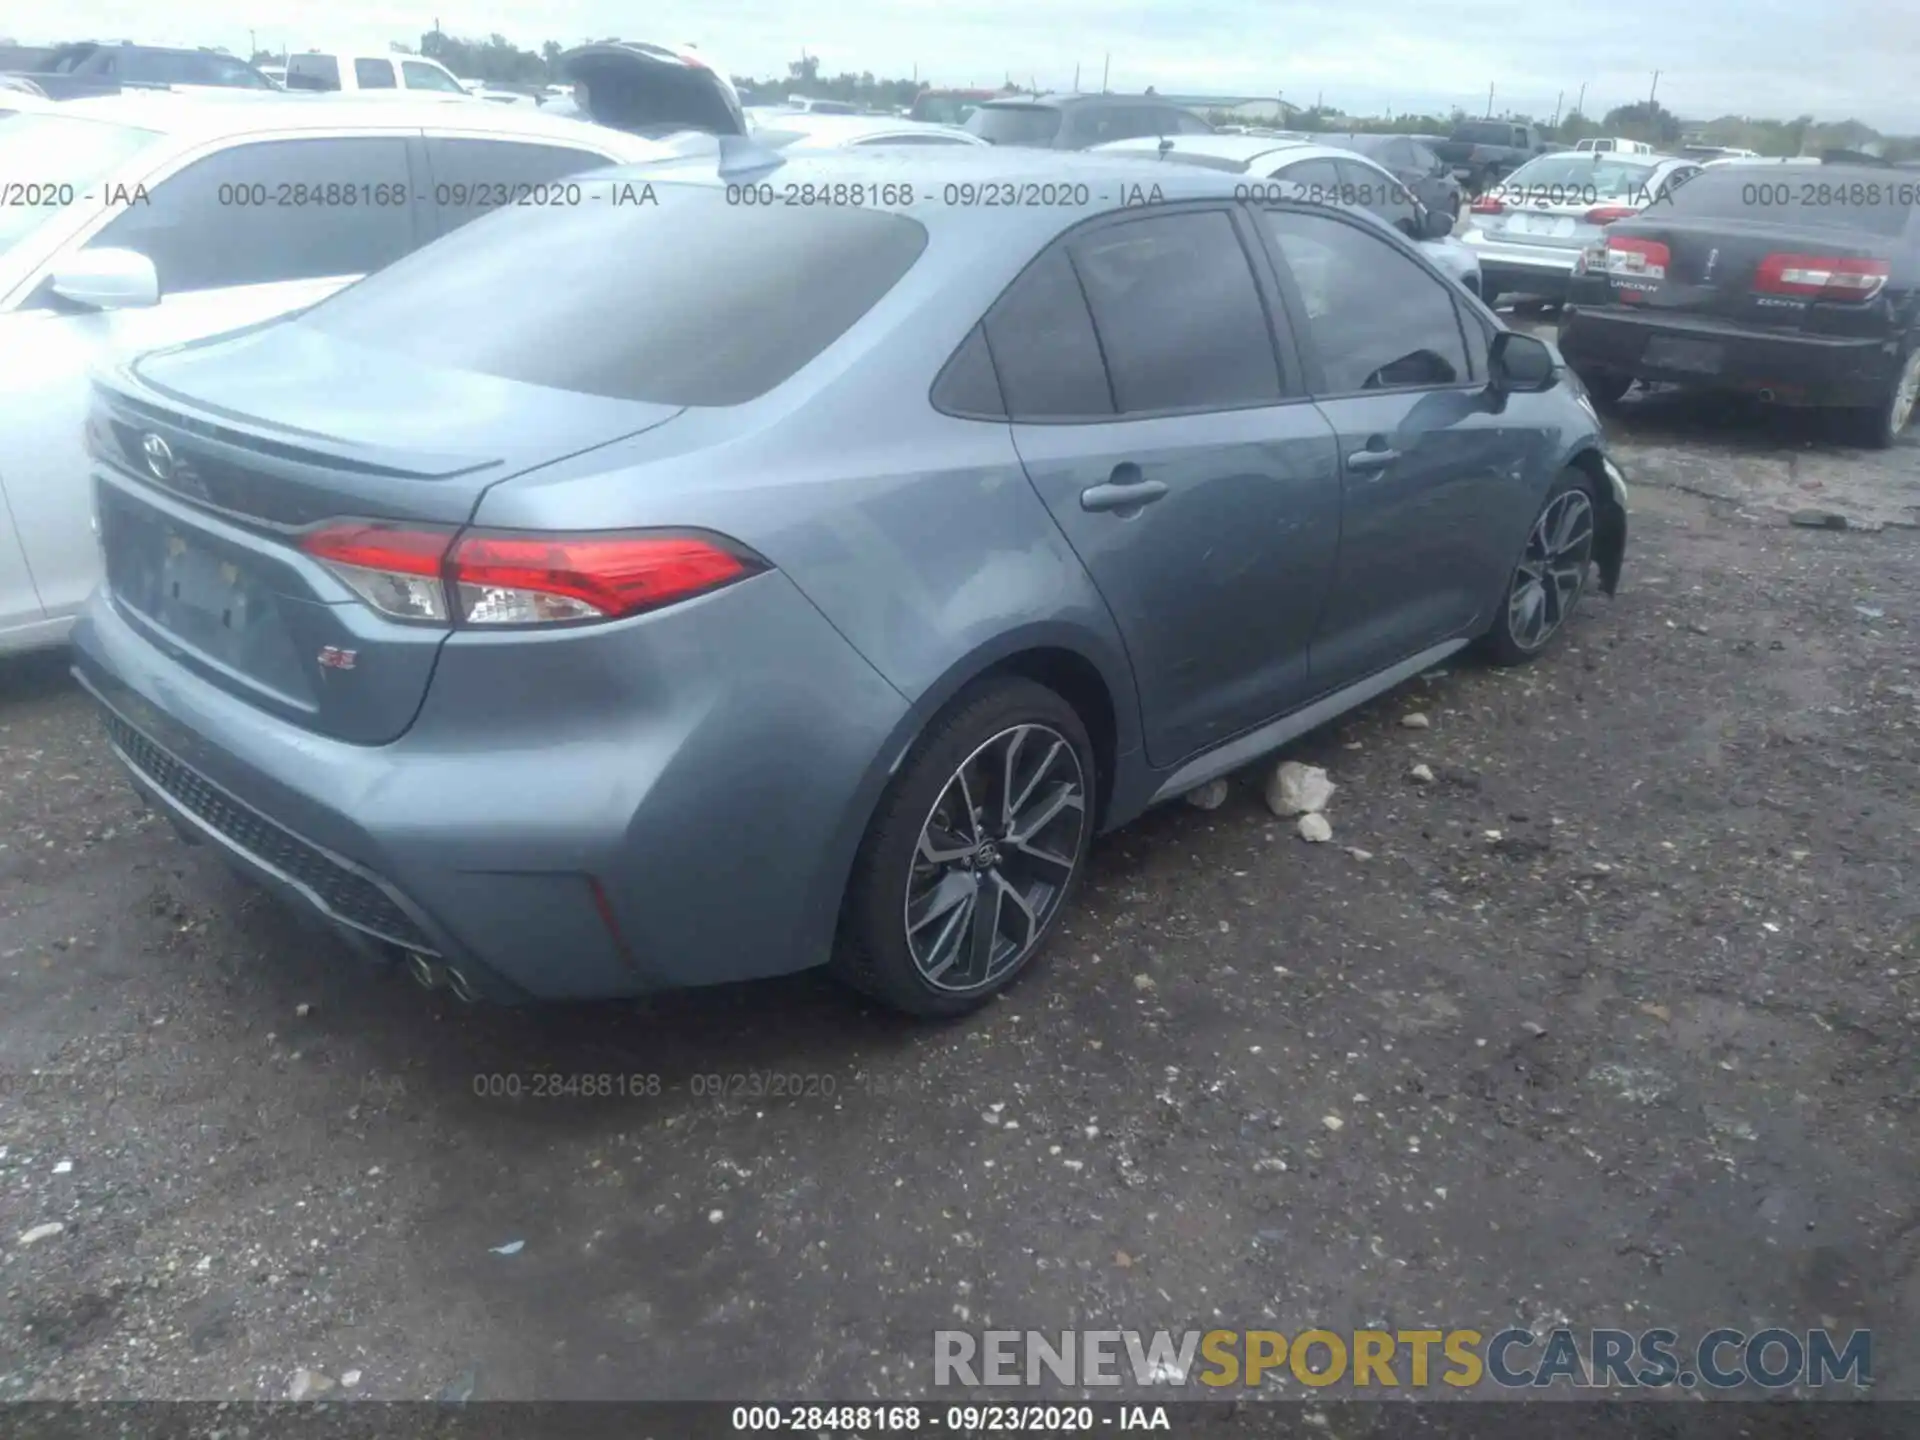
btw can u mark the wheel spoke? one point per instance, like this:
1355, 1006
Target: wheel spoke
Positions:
983, 934
1061, 866
953, 888
942, 848
1029, 917
966, 798
1065, 797
1046, 764
949, 945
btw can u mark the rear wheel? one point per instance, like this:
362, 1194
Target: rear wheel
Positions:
1879, 426
976, 848
1550, 576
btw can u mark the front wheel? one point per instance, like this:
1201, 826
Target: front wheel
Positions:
975, 849
1550, 576
1607, 387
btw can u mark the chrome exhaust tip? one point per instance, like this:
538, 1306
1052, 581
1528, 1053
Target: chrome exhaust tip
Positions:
461, 987
425, 973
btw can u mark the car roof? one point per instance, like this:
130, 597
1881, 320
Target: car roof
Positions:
843, 129
1058, 99
212, 115
1243, 149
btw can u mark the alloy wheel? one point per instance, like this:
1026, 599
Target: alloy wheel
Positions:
995, 857
1553, 571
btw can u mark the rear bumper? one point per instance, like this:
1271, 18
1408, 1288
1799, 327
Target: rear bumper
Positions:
1511, 269
1800, 369
637, 813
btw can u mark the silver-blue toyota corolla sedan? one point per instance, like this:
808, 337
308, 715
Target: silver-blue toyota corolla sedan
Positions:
740, 571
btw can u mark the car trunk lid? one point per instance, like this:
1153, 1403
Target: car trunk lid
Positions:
203, 504
649, 89
1752, 272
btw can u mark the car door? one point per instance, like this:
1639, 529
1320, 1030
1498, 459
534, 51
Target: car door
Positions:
1167, 434
472, 176
1433, 467
373, 72
1319, 179
19, 598
237, 235
420, 75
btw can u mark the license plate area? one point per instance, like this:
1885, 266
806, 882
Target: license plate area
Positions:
1698, 357
1553, 227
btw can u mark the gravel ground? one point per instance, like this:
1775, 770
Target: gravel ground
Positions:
1609, 1023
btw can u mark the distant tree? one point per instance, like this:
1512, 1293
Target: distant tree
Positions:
551, 51
1574, 127
805, 70
1646, 120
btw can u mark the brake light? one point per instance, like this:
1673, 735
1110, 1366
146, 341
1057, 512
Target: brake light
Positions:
1607, 214
1821, 277
394, 569
1631, 257
1488, 205
530, 579
517, 578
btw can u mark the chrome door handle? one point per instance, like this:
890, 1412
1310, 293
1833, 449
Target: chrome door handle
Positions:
1371, 459
1122, 497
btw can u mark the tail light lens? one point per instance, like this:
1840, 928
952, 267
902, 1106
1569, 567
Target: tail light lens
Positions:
1820, 277
1630, 257
1488, 205
516, 578
1607, 214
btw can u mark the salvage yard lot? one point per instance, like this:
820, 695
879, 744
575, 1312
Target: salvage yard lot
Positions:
1609, 1024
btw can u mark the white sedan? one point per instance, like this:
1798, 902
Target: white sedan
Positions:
1529, 229
167, 218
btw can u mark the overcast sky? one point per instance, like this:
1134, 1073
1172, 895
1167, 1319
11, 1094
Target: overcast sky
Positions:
1833, 59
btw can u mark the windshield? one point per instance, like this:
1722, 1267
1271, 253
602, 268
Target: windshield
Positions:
73, 155
943, 109
1585, 175
1015, 124
712, 303
1838, 200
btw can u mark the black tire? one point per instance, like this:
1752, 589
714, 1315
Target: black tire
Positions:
1607, 387
1506, 640
874, 953
1878, 426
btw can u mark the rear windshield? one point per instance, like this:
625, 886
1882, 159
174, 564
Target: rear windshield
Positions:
1015, 124
1818, 198
1485, 132
943, 109
1585, 173
688, 301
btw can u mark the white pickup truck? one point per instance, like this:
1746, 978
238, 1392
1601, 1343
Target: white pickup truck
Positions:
372, 76
1614, 144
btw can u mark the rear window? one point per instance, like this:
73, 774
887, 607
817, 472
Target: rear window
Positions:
1485, 132
943, 109
710, 303
1015, 124
1586, 175
1820, 199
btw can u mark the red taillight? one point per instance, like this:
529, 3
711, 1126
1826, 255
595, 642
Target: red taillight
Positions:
1488, 205
515, 578
1607, 214
1822, 277
394, 568
527, 579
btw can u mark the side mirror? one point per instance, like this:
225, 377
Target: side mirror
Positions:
1520, 363
107, 279
1435, 225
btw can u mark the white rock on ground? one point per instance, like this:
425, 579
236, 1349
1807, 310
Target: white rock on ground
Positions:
307, 1383
1296, 789
1416, 721
1421, 774
1210, 796
42, 1232
1314, 827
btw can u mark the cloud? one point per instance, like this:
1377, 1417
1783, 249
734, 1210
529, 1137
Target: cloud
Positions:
1759, 57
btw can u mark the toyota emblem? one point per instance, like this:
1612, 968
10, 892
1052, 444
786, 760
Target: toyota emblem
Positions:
159, 456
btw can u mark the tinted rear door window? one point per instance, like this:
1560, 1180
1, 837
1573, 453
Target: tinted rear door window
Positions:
421, 76
705, 303
236, 218
1379, 192
1178, 315
1377, 319
374, 74
313, 72
1043, 344
472, 177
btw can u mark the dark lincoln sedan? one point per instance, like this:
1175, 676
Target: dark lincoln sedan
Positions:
811, 586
